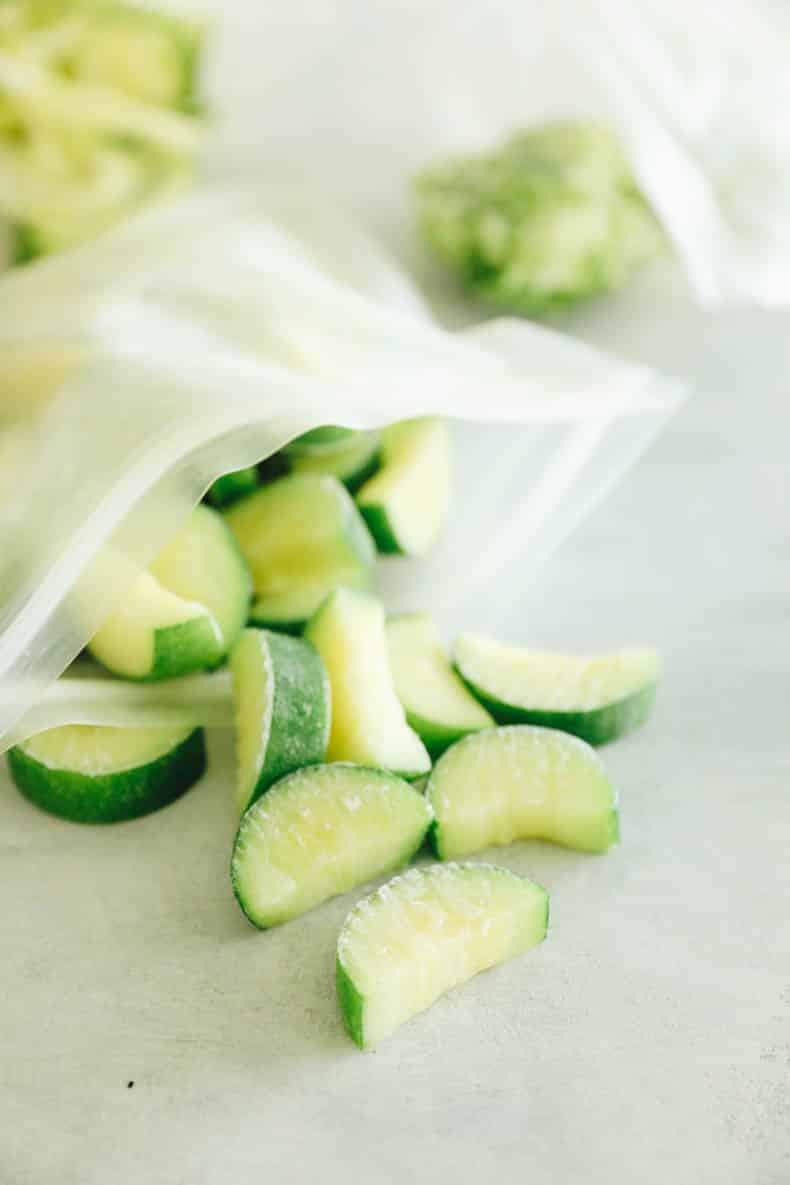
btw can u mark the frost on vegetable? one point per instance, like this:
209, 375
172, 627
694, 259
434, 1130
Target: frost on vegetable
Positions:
425, 932
97, 106
550, 217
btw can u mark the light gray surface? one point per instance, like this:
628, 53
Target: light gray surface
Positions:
646, 1043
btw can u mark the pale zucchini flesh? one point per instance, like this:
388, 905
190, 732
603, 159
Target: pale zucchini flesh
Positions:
438, 706
597, 698
428, 931
369, 724
302, 536
405, 503
352, 458
154, 634
185, 612
521, 782
203, 563
321, 831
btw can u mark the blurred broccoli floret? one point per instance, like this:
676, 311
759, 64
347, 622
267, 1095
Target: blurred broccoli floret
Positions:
551, 217
97, 115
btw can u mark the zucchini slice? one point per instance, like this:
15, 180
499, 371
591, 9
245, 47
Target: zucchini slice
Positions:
521, 782
322, 831
99, 774
438, 706
425, 932
281, 692
185, 612
368, 721
596, 698
352, 457
302, 536
405, 504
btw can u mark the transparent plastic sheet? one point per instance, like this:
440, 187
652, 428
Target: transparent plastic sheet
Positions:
197, 351
701, 95
698, 92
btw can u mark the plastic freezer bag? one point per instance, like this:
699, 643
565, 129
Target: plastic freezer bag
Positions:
365, 95
200, 339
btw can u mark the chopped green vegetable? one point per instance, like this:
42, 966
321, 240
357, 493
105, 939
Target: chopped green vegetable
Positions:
550, 217
282, 697
302, 536
368, 721
521, 782
322, 831
185, 612
96, 774
425, 932
406, 502
438, 706
352, 456
598, 698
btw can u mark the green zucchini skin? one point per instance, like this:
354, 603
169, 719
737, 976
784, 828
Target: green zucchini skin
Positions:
597, 727
114, 797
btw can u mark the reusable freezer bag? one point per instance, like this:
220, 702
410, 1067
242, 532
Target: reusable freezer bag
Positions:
203, 336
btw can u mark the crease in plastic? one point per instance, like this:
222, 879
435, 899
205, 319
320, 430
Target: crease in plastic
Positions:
700, 97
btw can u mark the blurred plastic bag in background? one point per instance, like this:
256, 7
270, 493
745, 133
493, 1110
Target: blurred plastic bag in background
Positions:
358, 97
701, 95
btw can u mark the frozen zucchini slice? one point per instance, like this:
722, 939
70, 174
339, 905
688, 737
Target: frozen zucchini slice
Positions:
425, 932
322, 831
521, 782
405, 504
281, 693
98, 774
596, 698
185, 612
352, 457
368, 721
438, 706
302, 536
232, 486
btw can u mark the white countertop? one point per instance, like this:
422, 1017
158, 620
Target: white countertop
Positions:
647, 1042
